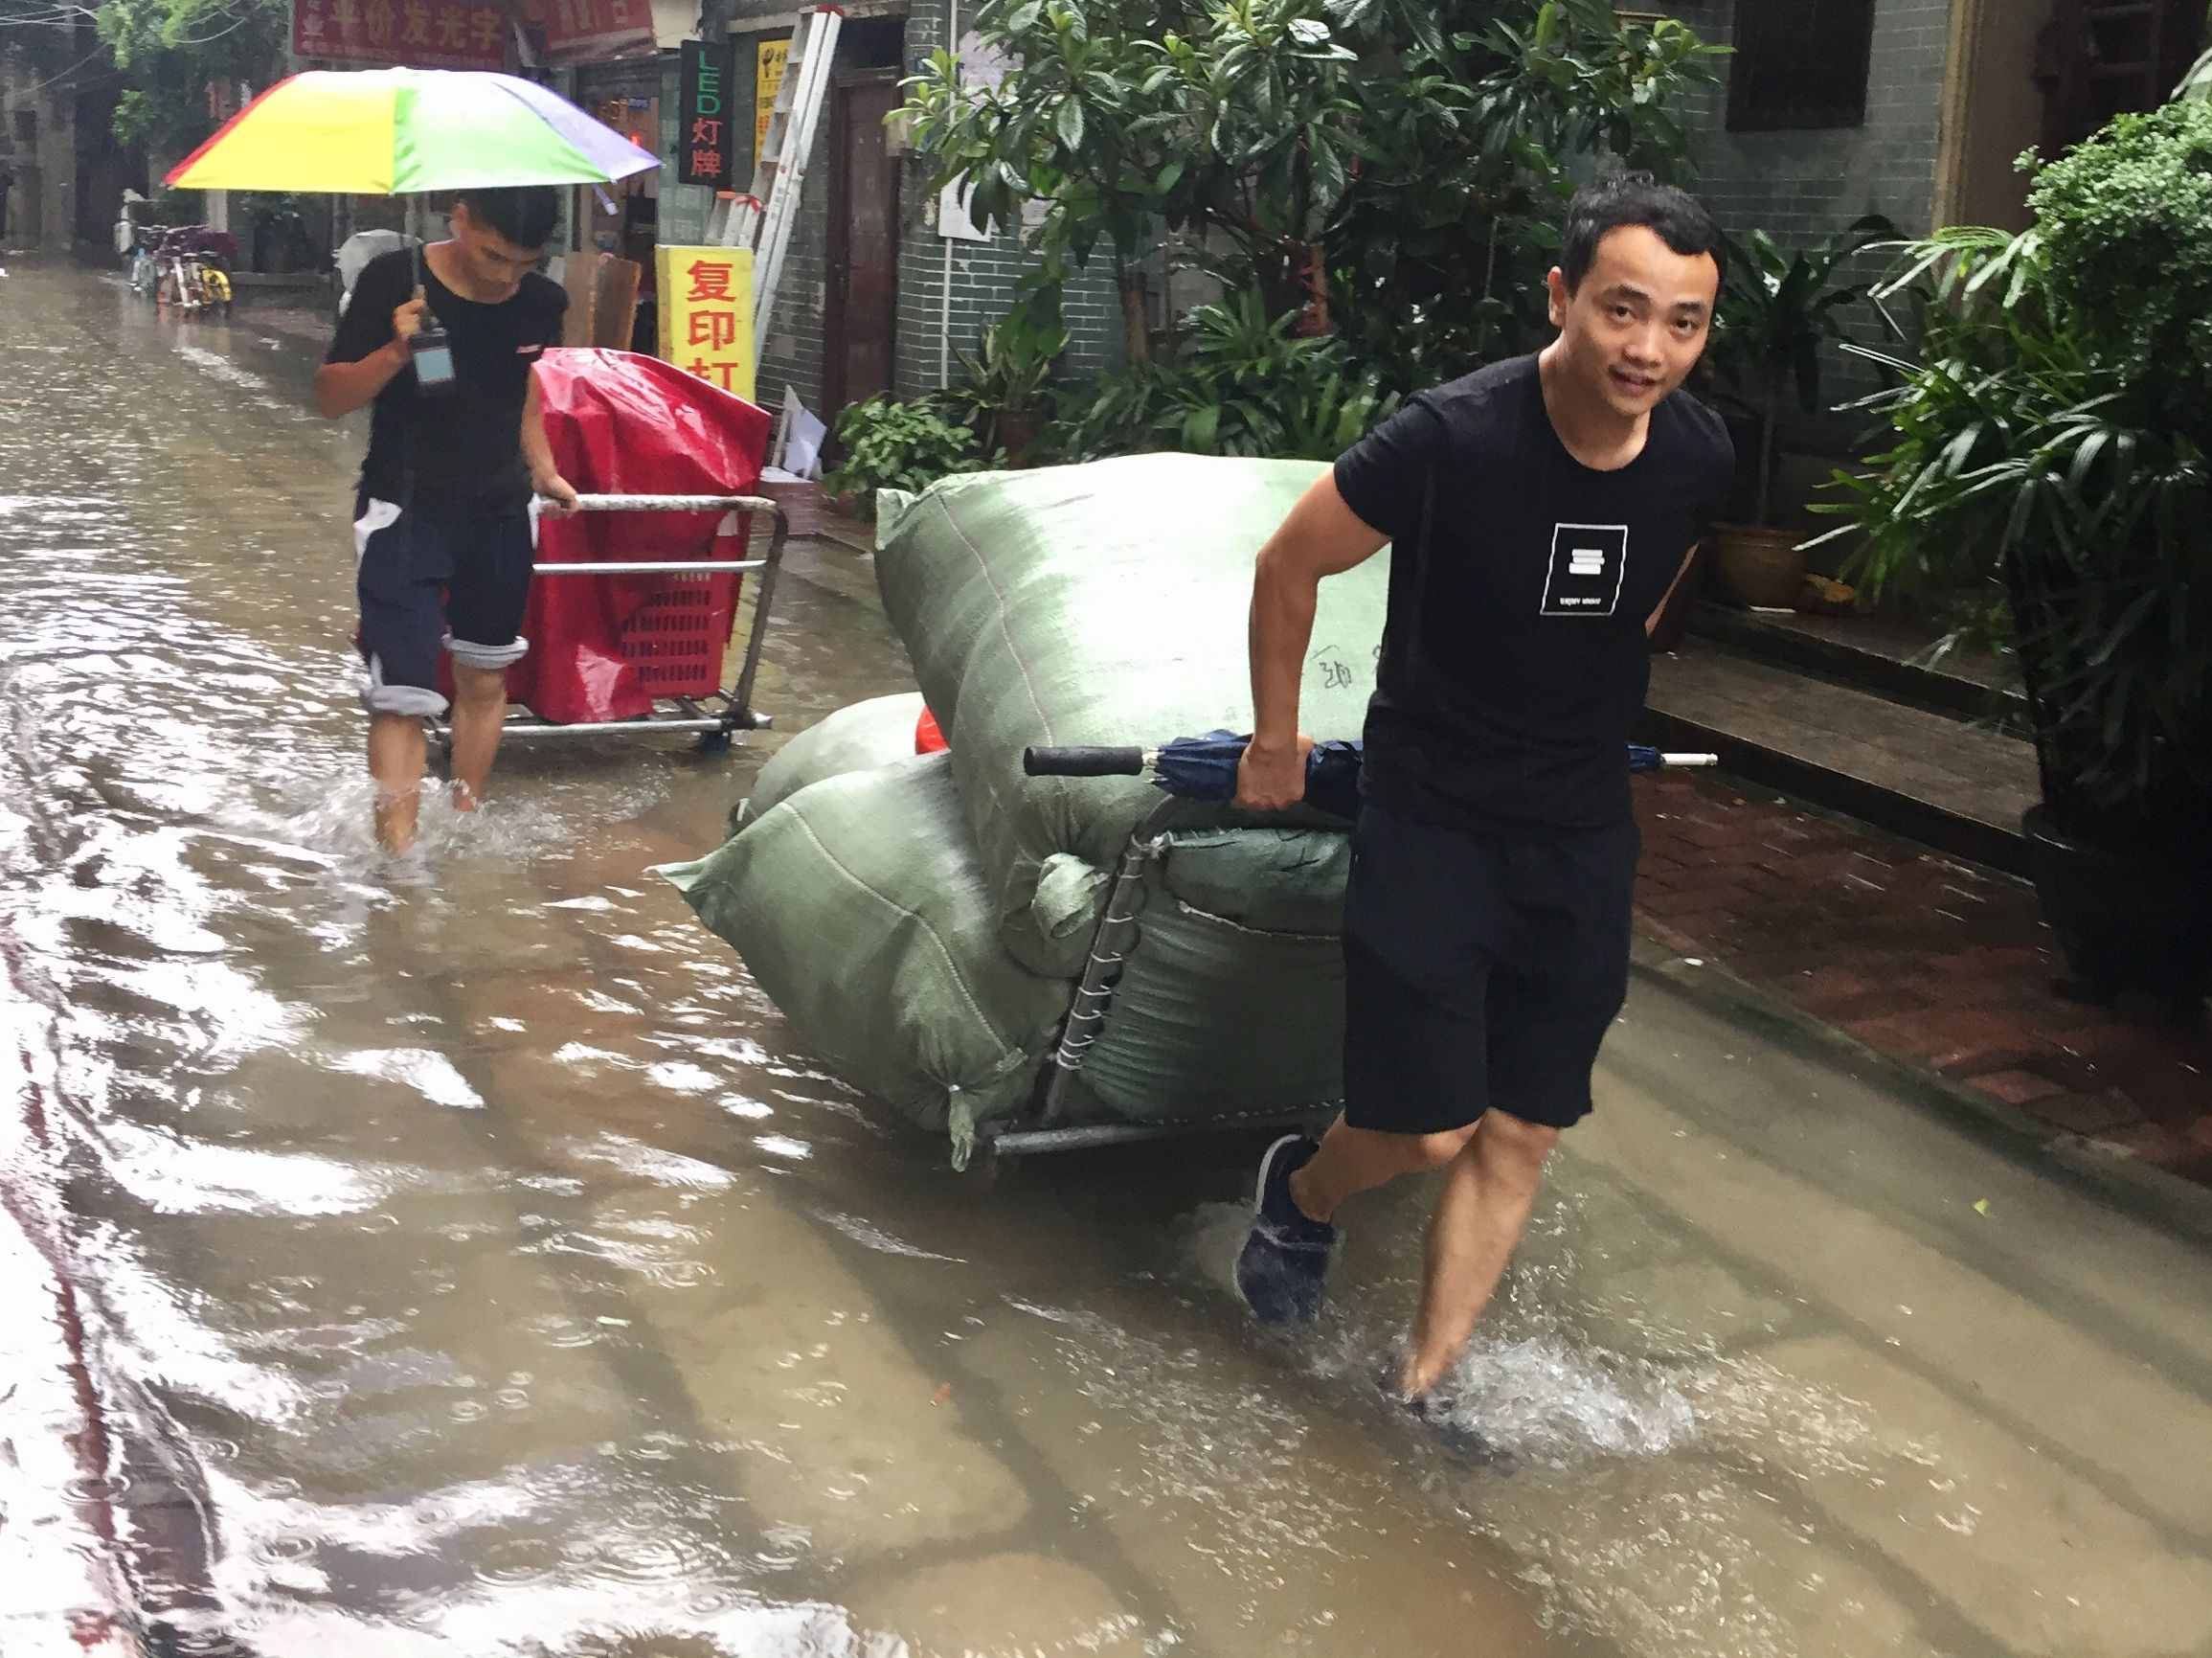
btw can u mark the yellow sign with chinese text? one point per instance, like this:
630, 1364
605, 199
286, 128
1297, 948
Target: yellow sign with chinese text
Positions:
706, 298
767, 82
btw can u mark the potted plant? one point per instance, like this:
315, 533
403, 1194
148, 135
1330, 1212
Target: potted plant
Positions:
1004, 389
900, 446
2050, 446
1778, 312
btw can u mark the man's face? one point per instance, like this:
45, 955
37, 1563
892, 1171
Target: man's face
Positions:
495, 265
1635, 328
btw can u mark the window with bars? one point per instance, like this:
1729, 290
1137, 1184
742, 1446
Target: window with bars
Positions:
1799, 64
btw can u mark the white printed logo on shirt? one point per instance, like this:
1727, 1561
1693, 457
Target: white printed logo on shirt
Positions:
1588, 562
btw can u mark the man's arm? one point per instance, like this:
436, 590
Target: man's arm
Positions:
1322, 536
341, 388
545, 477
1651, 623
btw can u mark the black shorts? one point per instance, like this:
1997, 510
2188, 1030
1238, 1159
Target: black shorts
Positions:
1479, 970
434, 580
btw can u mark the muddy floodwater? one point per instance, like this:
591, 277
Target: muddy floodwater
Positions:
459, 1257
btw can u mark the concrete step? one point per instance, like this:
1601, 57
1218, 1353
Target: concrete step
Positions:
1934, 778
1889, 656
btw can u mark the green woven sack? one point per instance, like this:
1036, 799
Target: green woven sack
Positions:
859, 907
1099, 605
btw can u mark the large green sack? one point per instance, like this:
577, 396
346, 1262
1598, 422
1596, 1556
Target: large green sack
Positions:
1232, 998
858, 738
1098, 604
858, 906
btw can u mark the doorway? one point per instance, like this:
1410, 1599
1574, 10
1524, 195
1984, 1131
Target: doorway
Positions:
860, 318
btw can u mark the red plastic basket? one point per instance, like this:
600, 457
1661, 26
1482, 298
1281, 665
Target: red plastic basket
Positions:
674, 641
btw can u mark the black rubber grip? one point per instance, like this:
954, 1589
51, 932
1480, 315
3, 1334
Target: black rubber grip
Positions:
1083, 761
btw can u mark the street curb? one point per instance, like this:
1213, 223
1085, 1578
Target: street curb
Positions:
2155, 1195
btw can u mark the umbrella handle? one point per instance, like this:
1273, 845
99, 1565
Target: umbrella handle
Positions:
1083, 761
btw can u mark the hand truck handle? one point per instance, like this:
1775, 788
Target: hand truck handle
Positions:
673, 504
1083, 761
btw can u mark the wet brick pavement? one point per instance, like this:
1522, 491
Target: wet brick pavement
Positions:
1928, 960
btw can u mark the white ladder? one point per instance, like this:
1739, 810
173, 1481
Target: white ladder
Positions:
762, 219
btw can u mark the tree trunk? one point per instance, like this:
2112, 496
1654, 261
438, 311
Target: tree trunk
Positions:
1313, 322
1136, 326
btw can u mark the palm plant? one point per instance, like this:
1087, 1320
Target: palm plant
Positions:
2049, 444
1780, 313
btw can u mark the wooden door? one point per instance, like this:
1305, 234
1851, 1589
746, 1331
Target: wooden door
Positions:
2099, 58
861, 319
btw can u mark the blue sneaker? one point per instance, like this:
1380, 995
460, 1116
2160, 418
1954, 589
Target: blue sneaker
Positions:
1287, 1256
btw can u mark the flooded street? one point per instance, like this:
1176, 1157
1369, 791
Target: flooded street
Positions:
459, 1259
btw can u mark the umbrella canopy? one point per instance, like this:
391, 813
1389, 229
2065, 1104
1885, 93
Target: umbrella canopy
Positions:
403, 131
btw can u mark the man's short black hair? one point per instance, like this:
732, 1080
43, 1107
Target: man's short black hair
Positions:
1682, 221
525, 215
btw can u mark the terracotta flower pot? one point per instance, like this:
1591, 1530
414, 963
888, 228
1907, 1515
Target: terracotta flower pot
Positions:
1760, 567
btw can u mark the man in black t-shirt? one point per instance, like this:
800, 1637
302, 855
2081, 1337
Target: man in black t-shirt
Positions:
443, 521
1540, 513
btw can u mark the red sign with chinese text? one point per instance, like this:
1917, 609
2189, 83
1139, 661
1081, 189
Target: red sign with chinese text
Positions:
421, 34
580, 30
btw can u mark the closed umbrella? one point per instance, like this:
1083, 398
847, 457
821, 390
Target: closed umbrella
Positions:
1205, 768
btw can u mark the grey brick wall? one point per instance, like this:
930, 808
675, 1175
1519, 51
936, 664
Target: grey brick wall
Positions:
1803, 187
1800, 186
984, 275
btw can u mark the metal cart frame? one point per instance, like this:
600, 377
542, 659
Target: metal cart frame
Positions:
732, 709
1042, 1125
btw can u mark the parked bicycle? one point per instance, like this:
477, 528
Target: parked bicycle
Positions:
186, 269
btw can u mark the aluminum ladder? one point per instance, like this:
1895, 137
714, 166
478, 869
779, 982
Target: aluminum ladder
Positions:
762, 219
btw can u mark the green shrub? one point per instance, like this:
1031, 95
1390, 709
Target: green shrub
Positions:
1238, 384
2049, 455
890, 444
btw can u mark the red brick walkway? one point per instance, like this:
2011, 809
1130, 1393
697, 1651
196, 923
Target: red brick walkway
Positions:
1926, 959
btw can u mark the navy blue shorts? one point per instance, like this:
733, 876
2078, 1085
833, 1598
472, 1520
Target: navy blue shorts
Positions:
1479, 971
438, 580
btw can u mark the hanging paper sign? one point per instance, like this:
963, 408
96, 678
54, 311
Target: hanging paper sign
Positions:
769, 59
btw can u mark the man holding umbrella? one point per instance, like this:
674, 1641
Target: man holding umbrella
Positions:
1541, 511
443, 519
445, 350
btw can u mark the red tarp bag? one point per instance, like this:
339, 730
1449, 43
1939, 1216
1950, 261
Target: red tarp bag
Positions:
604, 647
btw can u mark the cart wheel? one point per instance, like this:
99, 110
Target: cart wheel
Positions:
714, 741
986, 1166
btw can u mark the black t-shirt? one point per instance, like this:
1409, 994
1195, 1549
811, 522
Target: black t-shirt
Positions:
464, 444
1514, 660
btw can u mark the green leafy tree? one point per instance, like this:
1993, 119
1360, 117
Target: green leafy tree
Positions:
1406, 160
1121, 117
1086, 120
169, 52
1489, 115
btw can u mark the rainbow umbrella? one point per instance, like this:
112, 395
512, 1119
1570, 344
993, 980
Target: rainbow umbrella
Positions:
407, 131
